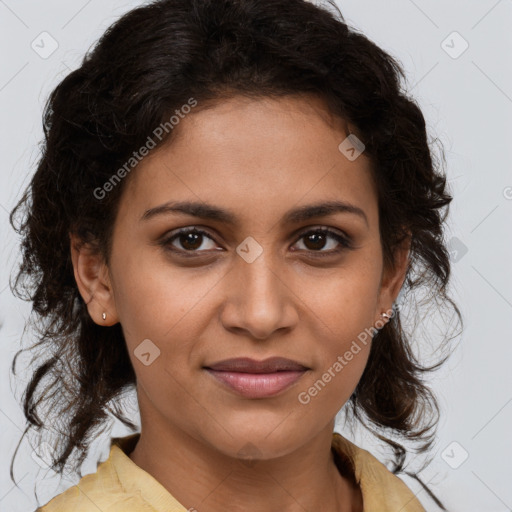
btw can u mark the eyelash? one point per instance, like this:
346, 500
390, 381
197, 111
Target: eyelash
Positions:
343, 241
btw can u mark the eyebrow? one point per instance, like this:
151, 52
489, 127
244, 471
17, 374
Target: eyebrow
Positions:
211, 212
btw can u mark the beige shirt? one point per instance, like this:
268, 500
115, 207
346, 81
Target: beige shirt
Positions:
119, 485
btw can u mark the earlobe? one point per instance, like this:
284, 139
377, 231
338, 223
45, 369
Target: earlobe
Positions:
93, 281
393, 278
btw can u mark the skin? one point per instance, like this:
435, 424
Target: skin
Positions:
259, 159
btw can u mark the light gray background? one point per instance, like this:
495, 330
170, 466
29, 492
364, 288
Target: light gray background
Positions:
468, 104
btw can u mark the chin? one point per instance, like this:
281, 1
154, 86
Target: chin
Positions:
254, 437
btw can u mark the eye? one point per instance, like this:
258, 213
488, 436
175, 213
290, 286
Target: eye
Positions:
190, 239
321, 238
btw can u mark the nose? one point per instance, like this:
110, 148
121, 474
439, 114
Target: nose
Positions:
259, 300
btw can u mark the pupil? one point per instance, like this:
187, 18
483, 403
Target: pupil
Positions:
191, 237
318, 240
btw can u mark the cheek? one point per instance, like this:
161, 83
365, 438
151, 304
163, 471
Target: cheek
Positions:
344, 312
156, 300
345, 305
343, 361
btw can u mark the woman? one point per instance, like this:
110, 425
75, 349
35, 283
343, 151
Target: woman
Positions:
231, 196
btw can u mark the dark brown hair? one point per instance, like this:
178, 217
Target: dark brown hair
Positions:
144, 68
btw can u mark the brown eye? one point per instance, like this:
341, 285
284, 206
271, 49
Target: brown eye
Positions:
194, 241
318, 239
189, 240
315, 241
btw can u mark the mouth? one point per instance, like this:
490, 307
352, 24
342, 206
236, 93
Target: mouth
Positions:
257, 379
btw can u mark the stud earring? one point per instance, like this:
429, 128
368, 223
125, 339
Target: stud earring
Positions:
104, 316
385, 315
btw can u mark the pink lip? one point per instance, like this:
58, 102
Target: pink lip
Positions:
257, 379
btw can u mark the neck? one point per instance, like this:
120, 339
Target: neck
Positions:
306, 479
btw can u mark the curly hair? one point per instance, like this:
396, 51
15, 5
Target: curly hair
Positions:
130, 83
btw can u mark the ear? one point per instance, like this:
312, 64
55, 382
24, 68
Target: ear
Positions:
93, 281
393, 278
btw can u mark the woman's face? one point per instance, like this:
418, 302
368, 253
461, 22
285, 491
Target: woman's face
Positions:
255, 281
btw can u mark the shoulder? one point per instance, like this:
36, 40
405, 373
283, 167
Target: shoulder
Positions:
101, 490
382, 490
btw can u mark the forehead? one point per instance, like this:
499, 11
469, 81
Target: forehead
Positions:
254, 154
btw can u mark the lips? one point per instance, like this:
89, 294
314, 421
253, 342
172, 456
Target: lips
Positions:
257, 379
